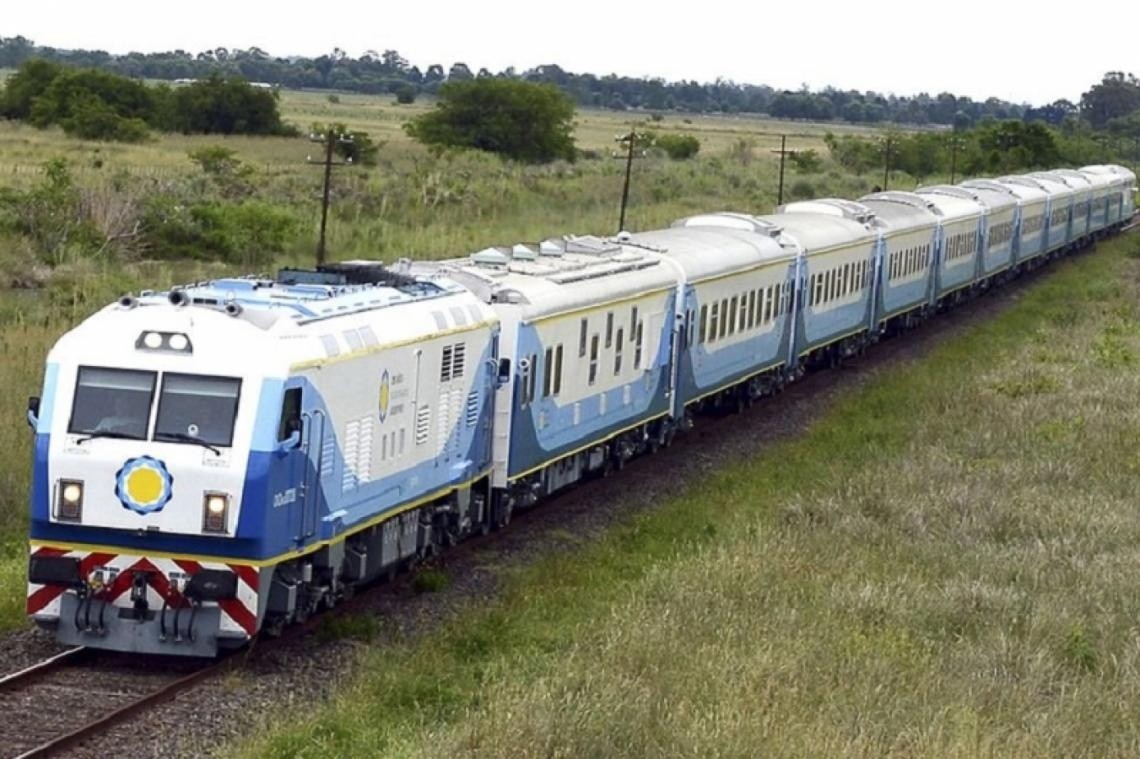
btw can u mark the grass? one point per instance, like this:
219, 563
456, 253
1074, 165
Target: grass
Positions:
942, 564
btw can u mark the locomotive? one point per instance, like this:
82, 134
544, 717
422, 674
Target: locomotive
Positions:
229, 457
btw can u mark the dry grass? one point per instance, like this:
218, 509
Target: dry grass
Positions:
943, 565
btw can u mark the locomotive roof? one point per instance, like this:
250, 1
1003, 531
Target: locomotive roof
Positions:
270, 324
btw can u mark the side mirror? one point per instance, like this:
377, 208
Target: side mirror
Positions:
504, 371
33, 411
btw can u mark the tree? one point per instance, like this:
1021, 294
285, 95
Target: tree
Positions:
223, 106
30, 82
520, 120
1118, 94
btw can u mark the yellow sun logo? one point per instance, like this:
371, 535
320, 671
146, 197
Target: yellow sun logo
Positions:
385, 395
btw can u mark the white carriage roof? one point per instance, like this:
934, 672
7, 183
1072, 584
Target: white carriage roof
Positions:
556, 275
847, 209
1074, 179
1054, 187
704, 251
901, 211
1025, 193
993, 198
1108, 175
815, 232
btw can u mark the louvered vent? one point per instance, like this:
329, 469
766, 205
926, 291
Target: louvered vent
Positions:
423, 424
460, 360
472, 409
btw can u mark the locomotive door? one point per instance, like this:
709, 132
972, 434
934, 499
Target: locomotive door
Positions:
314, 448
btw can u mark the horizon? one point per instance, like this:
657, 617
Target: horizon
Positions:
849, 52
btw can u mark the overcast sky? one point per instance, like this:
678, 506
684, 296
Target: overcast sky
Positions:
980, 48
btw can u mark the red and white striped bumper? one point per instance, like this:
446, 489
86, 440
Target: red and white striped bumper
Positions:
110, 579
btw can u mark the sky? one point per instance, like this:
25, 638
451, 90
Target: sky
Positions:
1015, 51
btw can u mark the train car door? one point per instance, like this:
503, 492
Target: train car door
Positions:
313, 447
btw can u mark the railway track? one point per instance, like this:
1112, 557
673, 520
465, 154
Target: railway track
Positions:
72, 696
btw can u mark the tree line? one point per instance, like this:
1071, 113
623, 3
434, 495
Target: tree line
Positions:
388, 72
95, 104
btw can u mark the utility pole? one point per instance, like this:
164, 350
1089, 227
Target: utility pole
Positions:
887, 169
784, 153
329, 139
629, 140
953, 157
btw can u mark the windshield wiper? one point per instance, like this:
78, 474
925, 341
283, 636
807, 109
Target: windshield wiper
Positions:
106, 433
182, 437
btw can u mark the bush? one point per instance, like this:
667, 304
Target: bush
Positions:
251, 233
93, 119
679, 147
405, 94
223, 106
806, 161
517, 119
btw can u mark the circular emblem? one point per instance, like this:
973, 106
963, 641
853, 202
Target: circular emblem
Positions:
385, 395
144, 485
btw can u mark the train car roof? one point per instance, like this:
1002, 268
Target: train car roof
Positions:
556, 275
808, 231
1024, 193
902, 211
991, 198
704, 251
1053, 186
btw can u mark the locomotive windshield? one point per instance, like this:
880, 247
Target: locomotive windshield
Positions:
112, 401
194, 407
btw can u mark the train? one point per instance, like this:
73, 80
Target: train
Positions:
226, 458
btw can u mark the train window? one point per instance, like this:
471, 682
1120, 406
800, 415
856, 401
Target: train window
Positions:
617, 353
753, 307
115, 402
817, 291
524, 384
609, 329
593, 359
558, 369
384, 448
548, 373
743, 322
290, 413
723, 319
582, 338
196, 408
690, 324
638, 345
632, 319
766, 314
532, 379
732, 315
704, 321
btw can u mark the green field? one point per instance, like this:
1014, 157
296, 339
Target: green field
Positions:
942, 564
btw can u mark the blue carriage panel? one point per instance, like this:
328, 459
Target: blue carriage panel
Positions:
835, 297
738, 290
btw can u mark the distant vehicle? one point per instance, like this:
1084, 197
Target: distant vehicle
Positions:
232, 456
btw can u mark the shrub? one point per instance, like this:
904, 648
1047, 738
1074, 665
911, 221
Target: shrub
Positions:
406, 94
520, 120
679, 147
251, 233
806, 161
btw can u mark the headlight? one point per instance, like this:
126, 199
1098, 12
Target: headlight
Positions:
69, 500
215, 507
